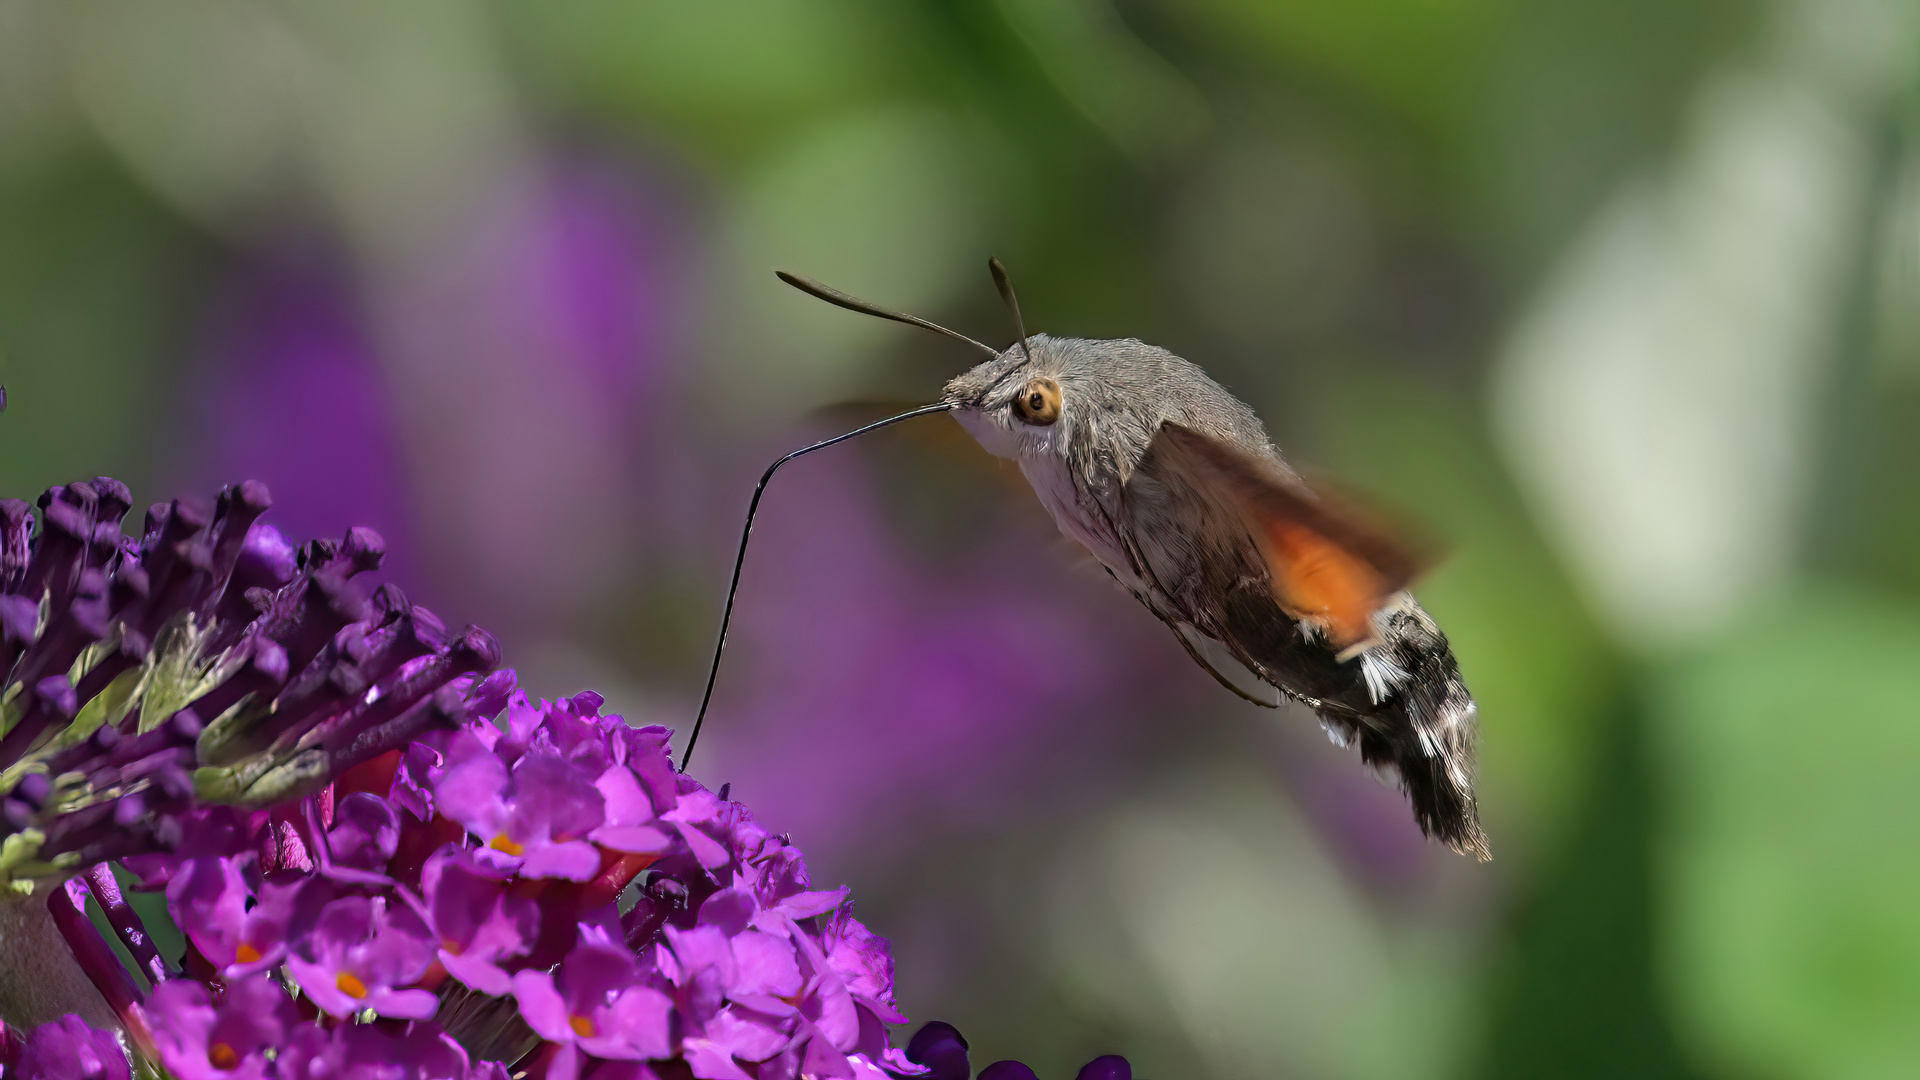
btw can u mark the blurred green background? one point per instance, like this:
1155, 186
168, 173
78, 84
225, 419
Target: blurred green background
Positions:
1620, 298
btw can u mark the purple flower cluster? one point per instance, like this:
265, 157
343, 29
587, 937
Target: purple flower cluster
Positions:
454, 907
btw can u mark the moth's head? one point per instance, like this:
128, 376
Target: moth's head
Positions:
1017, 402
1021, 402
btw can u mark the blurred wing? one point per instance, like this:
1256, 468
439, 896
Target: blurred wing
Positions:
1328, 563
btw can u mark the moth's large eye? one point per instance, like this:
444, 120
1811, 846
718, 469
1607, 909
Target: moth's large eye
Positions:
1039, 401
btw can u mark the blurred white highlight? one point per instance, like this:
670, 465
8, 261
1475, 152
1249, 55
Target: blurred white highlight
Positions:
1659, 401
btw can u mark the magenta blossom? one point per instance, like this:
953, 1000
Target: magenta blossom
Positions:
198, 1041
478, 921
358, 956
69, 1049
595, 1005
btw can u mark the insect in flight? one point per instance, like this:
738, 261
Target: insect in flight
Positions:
1172, 484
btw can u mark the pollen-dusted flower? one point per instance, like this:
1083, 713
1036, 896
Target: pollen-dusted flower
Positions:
535, 819
595, 1004
68, 1049
361, 955
480, 923
201, 1041
238, 934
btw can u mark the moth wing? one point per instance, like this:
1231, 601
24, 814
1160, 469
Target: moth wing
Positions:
1327, 561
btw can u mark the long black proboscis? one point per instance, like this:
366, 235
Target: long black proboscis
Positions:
740, 558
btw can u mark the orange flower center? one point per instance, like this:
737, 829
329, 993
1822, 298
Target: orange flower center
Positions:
453, 946
505, 843
246, 954
222, 1056
582, 1027
350, 986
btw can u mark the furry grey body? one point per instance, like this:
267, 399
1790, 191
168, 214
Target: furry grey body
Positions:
1192, 561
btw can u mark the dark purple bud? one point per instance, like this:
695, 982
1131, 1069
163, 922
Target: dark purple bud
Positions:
390, 602
364, 549
129, 810
51, 704
115, 499
34, 787
71, 829
329, 685
78, 494
177, 732
1106, 1067
1007, 1070
72, 625
55, 694
263, 674
475, 651
17, 814
176, 562
940, 1047
267, 560
239, 507
130, 585
318, 553
490, 696
88, 612
64, 529
172, 778
444, 711
19, 617
379, 653
184, 726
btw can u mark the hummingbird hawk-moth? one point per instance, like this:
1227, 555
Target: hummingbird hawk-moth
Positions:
1278, 590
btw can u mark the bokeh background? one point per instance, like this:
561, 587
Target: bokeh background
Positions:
1619, 297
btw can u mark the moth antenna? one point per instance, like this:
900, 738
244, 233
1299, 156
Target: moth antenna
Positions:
853, 303
1001, 282
753, 507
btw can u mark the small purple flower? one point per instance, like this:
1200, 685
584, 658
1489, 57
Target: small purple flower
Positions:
595, 1005
536, 818
864, 962
198, 1041
479, 923
358, 956
69, 1049
209, 900
629, 812
1008, 1070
